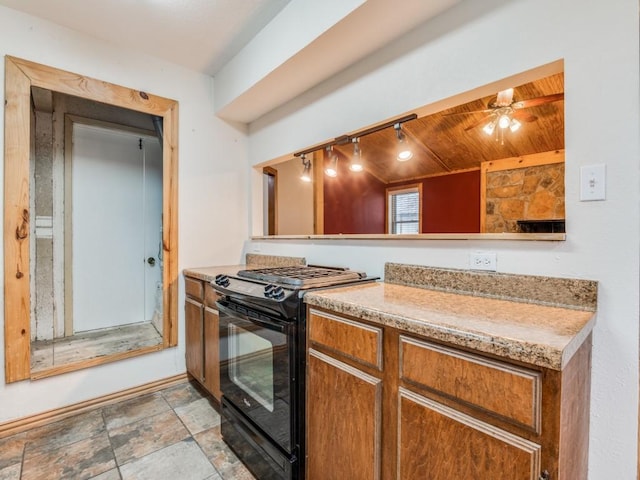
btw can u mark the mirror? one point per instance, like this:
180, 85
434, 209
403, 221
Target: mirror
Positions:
90, 226
493, 166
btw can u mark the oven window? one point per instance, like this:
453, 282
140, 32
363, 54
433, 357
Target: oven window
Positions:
251, 365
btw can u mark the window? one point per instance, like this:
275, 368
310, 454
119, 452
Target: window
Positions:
404, 206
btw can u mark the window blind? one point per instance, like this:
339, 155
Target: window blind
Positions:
405, 211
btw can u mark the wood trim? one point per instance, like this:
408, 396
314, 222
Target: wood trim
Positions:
511, 163
170, 225
20, 76
92, 362
272, 200
422, 236
318, 193
524, 161
91, 89
50, 416
17, 124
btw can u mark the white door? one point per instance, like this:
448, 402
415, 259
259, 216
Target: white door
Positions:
109, 241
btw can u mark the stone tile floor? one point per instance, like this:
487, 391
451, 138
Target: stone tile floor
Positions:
172, 434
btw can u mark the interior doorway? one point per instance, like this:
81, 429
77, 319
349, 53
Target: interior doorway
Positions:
116, 214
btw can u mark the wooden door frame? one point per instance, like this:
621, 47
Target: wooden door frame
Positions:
272, 207
20, 76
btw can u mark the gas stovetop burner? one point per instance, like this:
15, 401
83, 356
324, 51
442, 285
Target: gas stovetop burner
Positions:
302, 276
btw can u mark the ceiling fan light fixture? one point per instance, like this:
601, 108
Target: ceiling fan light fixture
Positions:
306, 169
490, 127
356, 159
515, 125
504, 121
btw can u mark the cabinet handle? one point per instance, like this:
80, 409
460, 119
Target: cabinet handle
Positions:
544, 476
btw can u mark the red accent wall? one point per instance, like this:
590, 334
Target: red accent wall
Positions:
353, 203
450, 203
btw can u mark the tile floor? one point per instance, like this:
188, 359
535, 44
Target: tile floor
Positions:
172, 434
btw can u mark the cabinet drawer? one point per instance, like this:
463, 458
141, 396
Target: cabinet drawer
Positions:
193, 288
210, 296
509, 391
357, 341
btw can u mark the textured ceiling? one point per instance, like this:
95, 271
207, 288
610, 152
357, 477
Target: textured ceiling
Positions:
201, 35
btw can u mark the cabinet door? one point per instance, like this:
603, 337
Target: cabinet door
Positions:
211, 352
193, 313
343, 421
439, 443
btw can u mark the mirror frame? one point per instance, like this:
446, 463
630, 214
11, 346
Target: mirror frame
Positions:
20, 76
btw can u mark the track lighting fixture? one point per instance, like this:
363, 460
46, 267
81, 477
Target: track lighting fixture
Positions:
356, 164
404, 152
332, 167
306, 169
356, 159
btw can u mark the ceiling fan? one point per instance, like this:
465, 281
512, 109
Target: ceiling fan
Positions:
505, 112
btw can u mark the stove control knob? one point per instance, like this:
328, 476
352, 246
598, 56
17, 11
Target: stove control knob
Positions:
268, 290
277, 293
222, 280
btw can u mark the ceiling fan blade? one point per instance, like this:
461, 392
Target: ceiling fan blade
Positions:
478, 123
504, 98
534, 102
524, 116
488, 110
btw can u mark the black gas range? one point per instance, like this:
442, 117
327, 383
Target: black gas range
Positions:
262, 362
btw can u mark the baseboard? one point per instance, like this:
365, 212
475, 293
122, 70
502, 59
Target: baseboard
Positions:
40, 419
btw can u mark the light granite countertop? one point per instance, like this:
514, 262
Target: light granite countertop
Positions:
546, 336
536, 320
208, 274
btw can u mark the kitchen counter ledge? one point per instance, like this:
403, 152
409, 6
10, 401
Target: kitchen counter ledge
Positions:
545, 336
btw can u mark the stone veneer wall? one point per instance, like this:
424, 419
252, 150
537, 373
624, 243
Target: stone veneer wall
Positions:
529, 193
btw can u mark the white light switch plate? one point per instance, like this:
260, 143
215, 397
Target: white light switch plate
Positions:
592, 183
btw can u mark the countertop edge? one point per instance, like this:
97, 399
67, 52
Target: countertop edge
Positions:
538, 354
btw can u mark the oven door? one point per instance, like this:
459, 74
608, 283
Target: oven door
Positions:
256, 353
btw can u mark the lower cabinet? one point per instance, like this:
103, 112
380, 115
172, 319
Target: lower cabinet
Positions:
202, 335
383, 404
343, 429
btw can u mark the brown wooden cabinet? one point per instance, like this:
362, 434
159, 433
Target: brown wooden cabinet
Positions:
384, 404
202, 335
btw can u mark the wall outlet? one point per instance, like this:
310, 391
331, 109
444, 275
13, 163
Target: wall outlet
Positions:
483, 261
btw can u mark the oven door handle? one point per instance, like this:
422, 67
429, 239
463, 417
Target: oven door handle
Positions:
263, 322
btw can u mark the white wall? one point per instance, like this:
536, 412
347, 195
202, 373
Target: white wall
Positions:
212, 193
474, 44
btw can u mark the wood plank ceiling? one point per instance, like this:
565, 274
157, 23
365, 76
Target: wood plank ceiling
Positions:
444, 143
